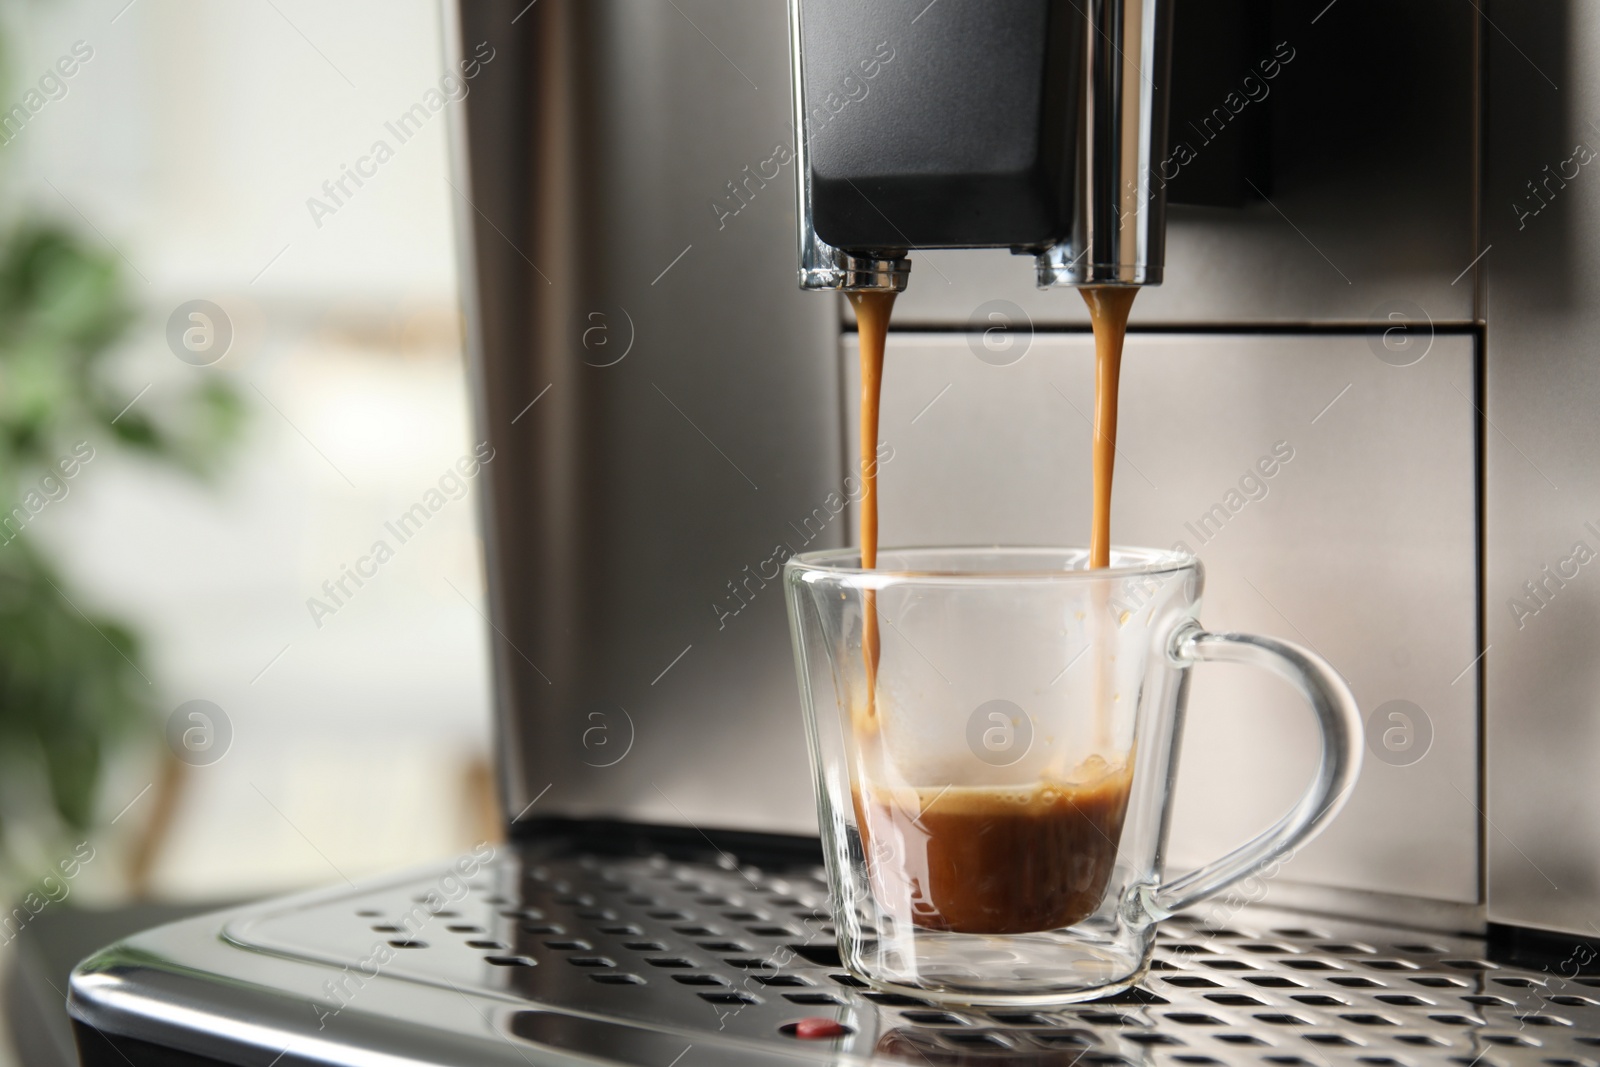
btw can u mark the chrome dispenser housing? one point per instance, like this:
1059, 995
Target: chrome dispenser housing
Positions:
1034, 125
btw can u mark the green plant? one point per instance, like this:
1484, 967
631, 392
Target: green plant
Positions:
72, 684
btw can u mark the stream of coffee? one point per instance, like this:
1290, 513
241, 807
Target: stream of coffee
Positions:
1108, 314
994, 859
872, 333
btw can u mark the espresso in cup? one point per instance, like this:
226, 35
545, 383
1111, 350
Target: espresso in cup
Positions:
995, 860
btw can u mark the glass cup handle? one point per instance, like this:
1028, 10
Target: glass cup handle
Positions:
1338, 716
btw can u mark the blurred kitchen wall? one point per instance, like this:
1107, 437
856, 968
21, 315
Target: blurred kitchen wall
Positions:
189, 143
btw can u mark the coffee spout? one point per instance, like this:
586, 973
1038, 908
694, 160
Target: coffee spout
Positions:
1034, 125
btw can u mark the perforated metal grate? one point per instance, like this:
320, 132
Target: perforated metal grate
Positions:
741, 954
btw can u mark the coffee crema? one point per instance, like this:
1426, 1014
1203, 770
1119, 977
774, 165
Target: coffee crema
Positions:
993, 860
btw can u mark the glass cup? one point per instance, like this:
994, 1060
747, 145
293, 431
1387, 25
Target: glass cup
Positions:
994, 733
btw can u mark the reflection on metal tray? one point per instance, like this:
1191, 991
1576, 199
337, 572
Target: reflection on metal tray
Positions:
656, 960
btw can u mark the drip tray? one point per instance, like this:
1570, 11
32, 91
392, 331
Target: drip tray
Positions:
660, 961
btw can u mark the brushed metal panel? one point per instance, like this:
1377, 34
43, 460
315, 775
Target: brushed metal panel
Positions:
1362, 546
1370, 194
1542, 483
626, 497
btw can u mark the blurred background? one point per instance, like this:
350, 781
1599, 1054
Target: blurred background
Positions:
212, 399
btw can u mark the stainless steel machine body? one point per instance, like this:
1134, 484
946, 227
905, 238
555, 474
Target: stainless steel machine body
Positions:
635, 527
1369, 269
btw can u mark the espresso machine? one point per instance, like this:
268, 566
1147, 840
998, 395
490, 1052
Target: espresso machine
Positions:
1314, 198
